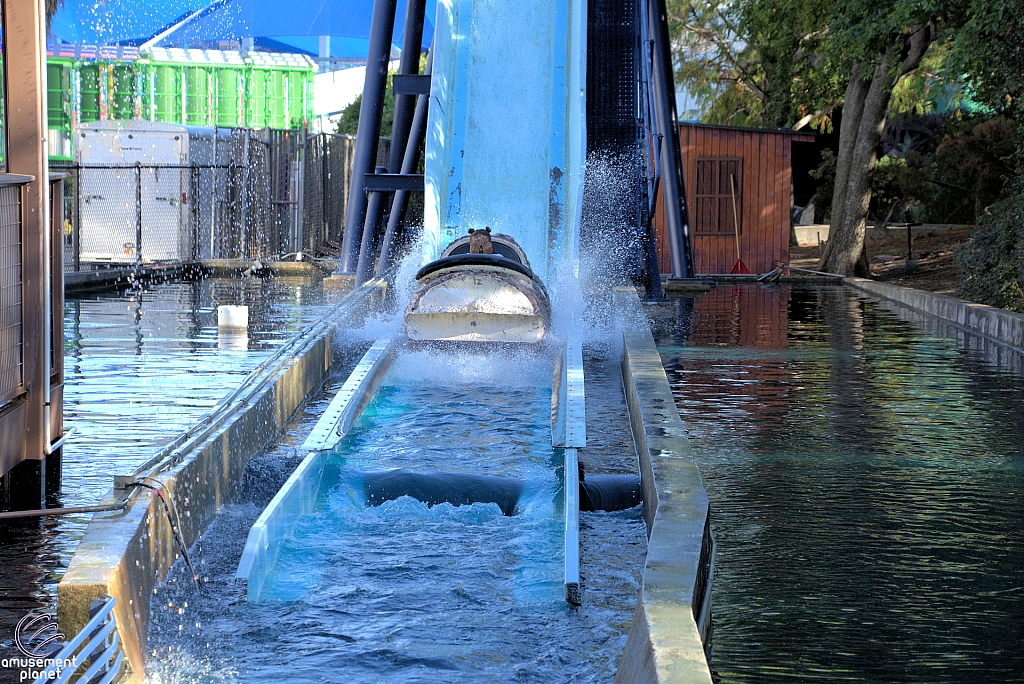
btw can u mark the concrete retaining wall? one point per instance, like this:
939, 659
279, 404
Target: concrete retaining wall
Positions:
1000, 325
125, 554
664, 643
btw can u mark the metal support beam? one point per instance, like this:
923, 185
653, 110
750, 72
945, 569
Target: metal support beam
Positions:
409, 163
676, 212
569, 432
374, 208
367, 138
573, 594
404, 105
392, 182
25, 66
414, 84
409, 66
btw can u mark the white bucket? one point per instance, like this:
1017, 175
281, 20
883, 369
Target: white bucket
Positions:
236, 317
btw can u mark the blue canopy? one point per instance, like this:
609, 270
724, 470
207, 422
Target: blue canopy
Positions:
296, 23
109, 22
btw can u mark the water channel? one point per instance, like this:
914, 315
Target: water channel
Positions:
865, 480
403, 591
864, 475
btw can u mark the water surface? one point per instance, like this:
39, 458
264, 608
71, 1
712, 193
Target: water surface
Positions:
865, 481
403, 592
141, 366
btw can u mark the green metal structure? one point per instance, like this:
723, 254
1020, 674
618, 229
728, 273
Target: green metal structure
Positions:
173, 85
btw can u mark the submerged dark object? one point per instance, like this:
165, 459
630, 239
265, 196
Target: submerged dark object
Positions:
597, 492
610, 492
458, 489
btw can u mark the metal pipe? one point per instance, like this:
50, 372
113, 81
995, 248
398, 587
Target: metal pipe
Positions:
821, 273
373, 213
409, 163
46, 276
381, 27
76, 224
412, 39
138, 216
39, 513
676, 212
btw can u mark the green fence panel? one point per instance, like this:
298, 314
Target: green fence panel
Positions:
121, 90
91, 91
230, 95
198, 96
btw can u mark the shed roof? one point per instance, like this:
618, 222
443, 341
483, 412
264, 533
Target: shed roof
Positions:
800, 136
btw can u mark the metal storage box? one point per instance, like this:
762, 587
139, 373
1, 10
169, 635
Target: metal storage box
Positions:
131, 211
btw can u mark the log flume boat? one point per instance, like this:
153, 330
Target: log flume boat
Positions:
481, 289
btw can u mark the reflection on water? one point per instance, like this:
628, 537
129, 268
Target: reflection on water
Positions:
139, 369
865, 481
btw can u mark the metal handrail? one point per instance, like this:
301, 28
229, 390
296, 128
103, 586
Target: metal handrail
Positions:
101, 645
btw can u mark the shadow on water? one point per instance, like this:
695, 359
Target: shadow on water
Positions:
865, 481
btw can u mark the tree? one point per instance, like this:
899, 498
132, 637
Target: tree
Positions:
753, 62
878, 43
991, 49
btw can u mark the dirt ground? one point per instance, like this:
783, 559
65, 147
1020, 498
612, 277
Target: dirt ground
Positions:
933, 250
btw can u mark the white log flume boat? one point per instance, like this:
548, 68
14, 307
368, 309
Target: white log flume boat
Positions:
469, 295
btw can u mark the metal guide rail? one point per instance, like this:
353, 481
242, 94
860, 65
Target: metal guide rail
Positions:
297, 497
569, 432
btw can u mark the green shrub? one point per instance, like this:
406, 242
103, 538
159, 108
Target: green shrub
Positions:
991, 264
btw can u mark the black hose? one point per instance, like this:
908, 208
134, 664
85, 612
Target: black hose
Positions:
174, 529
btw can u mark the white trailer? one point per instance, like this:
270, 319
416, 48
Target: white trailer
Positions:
122, 204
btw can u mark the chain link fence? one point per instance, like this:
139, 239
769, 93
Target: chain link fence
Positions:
246, 194
11, 322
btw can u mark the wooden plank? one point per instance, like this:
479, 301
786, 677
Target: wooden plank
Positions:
751, 198
787, 169
762, 189
771, 226
782, 192
697, 144
768, 165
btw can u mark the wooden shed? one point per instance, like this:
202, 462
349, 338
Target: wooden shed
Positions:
752, 165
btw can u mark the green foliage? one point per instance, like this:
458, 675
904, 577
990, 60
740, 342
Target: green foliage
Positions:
752, 62
955, 184
990, 47
898, 185
348, 122
991, 264
970, 166
938, 86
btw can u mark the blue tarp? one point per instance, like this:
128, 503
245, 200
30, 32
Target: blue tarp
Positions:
108, 22
296, 22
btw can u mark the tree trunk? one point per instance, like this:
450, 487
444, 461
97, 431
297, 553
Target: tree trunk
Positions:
867, 99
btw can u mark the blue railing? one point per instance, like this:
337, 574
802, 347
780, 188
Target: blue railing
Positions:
99, 661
